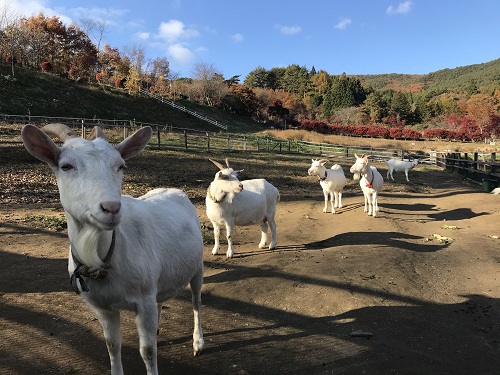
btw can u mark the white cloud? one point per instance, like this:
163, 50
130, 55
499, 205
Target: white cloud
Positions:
28, 8
180, 54
143, 35
289, 30
174, 30
343, 23
237, 37
401, 8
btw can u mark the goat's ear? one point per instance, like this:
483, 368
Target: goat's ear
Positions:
135, 143
40, 145
240, 171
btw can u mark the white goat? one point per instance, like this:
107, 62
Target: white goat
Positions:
395, 165
371, 182
230, 202
125, 253
331, 180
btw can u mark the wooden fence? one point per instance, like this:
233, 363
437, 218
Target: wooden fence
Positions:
480, 167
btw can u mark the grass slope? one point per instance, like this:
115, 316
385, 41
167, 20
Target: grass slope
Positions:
42, 94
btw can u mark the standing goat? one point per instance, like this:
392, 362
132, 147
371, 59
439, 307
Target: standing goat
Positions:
331, 180
231, 202
400, 165
125, 253
371, 182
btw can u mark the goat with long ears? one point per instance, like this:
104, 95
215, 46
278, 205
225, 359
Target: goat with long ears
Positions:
125, 253
231, 202
332, 182
370, 181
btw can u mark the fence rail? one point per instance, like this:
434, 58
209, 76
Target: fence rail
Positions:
480, 167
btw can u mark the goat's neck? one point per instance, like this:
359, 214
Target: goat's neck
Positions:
88, 243
322, 172
217, 195
368, 173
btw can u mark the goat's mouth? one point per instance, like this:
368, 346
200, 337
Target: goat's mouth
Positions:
107, 222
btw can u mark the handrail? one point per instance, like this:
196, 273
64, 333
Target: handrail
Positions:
184, 109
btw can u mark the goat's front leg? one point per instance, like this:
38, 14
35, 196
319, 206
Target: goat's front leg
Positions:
406, 173
272, 224
216, 238
263, 237
325, 208
366, 202
110, 322
374, 204
229, 236
196, 283
146, 320
332, 201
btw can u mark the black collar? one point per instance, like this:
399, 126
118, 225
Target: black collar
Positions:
96, 273
324, 178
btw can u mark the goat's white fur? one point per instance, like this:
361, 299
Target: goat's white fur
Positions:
331, 180
371, 182
496, 191
158, 244
230, 202
395, 165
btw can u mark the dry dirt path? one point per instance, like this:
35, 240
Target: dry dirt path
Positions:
430, 307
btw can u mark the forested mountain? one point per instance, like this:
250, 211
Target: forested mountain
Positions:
456, 79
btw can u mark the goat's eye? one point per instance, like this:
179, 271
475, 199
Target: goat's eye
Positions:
224, 177
66, 167
122, 167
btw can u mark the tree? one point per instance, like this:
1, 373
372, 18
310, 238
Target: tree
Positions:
9, 35
295, 80
94, 28
208, 86
344, 92
134, 76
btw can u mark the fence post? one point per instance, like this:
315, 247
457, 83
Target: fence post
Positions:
185, 140
208, 141
346, 151
475, 160
244, 143
158, 135
229, 142
289, 145
83, 128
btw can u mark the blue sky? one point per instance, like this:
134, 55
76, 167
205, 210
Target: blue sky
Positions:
237, 36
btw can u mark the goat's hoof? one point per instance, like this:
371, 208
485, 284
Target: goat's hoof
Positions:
262, 245
272, 247
230, 253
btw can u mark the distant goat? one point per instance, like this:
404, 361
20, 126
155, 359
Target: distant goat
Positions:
496, 191
125, 253
331, 180
395, 164
371, 182
230, 202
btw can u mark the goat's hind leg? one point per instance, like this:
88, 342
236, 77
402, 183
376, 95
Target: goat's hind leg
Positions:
110, 322
263, 234
196, 283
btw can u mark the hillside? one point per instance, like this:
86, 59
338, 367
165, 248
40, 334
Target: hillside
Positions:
42, 94
457, 79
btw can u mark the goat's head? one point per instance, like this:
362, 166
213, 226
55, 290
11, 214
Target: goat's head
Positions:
317, 167
227, 178
359, 167
88, 172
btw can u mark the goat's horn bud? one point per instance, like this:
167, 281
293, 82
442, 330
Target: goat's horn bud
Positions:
219, 165
61, 131
96, 132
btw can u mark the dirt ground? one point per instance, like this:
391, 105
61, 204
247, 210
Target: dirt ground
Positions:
342, 294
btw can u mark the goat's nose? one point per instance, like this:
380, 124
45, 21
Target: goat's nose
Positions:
111, 207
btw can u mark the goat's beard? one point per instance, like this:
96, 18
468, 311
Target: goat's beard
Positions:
356, 176
86, 245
